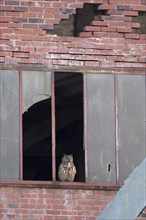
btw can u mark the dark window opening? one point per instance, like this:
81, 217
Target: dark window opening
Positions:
69, 120
141, 18
37, 146
37, 127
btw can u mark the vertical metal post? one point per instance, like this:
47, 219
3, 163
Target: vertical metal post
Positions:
53, 127
85, 124
20, 125
117, 127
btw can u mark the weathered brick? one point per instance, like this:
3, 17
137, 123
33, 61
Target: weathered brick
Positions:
135, 25
51, 21
70, 11
130, 59
21, 9
36, 9
46, 26
116, 23
138, 65
106, 64
114, 12
12, 2
31, 26
132, 36
139, 8
143, 36
124, 30
36, 20
100, 34
105, 7
99, 23
92, 63
91, 28
60, 62
5, 19
13, 14
5, 8
85, 34
108, 29
124, 7
115, 35
143, 2
20, 20
5, 53
30, 14
20, 54
130, 13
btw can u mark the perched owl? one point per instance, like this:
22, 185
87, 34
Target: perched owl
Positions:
67, 169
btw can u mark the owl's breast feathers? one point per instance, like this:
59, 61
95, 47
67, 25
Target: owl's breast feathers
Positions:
67, 172
72, 168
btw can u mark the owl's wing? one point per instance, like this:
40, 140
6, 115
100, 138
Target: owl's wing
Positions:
74, 170
62, 172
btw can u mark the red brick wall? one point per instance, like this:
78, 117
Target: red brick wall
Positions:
109, 42
51, 204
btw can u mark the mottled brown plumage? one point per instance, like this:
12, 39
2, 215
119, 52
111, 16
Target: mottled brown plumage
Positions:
67, 169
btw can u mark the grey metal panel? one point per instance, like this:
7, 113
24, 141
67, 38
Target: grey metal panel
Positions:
36, 87
101, 128
131, 94
9, 125
130, 199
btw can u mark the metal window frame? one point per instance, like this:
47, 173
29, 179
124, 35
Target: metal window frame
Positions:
84, 73
54, 183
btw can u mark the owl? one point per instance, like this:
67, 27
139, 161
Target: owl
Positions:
67, 169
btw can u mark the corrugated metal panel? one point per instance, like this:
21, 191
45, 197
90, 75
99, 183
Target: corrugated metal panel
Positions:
9, 125
101, 128
131, 95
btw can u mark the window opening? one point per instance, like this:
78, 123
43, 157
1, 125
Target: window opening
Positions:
140, 19
37, 132
69, 120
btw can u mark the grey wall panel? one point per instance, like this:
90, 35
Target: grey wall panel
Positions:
101, 128
9, 125
131, 95
36, 87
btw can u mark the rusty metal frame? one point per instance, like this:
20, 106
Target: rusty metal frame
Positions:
55, 183
20, 126
53, 127
85, 124
37, 67
117, 127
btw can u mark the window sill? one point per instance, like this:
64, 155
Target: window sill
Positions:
60, 185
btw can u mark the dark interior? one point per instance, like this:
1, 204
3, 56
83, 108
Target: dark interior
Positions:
37, 133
